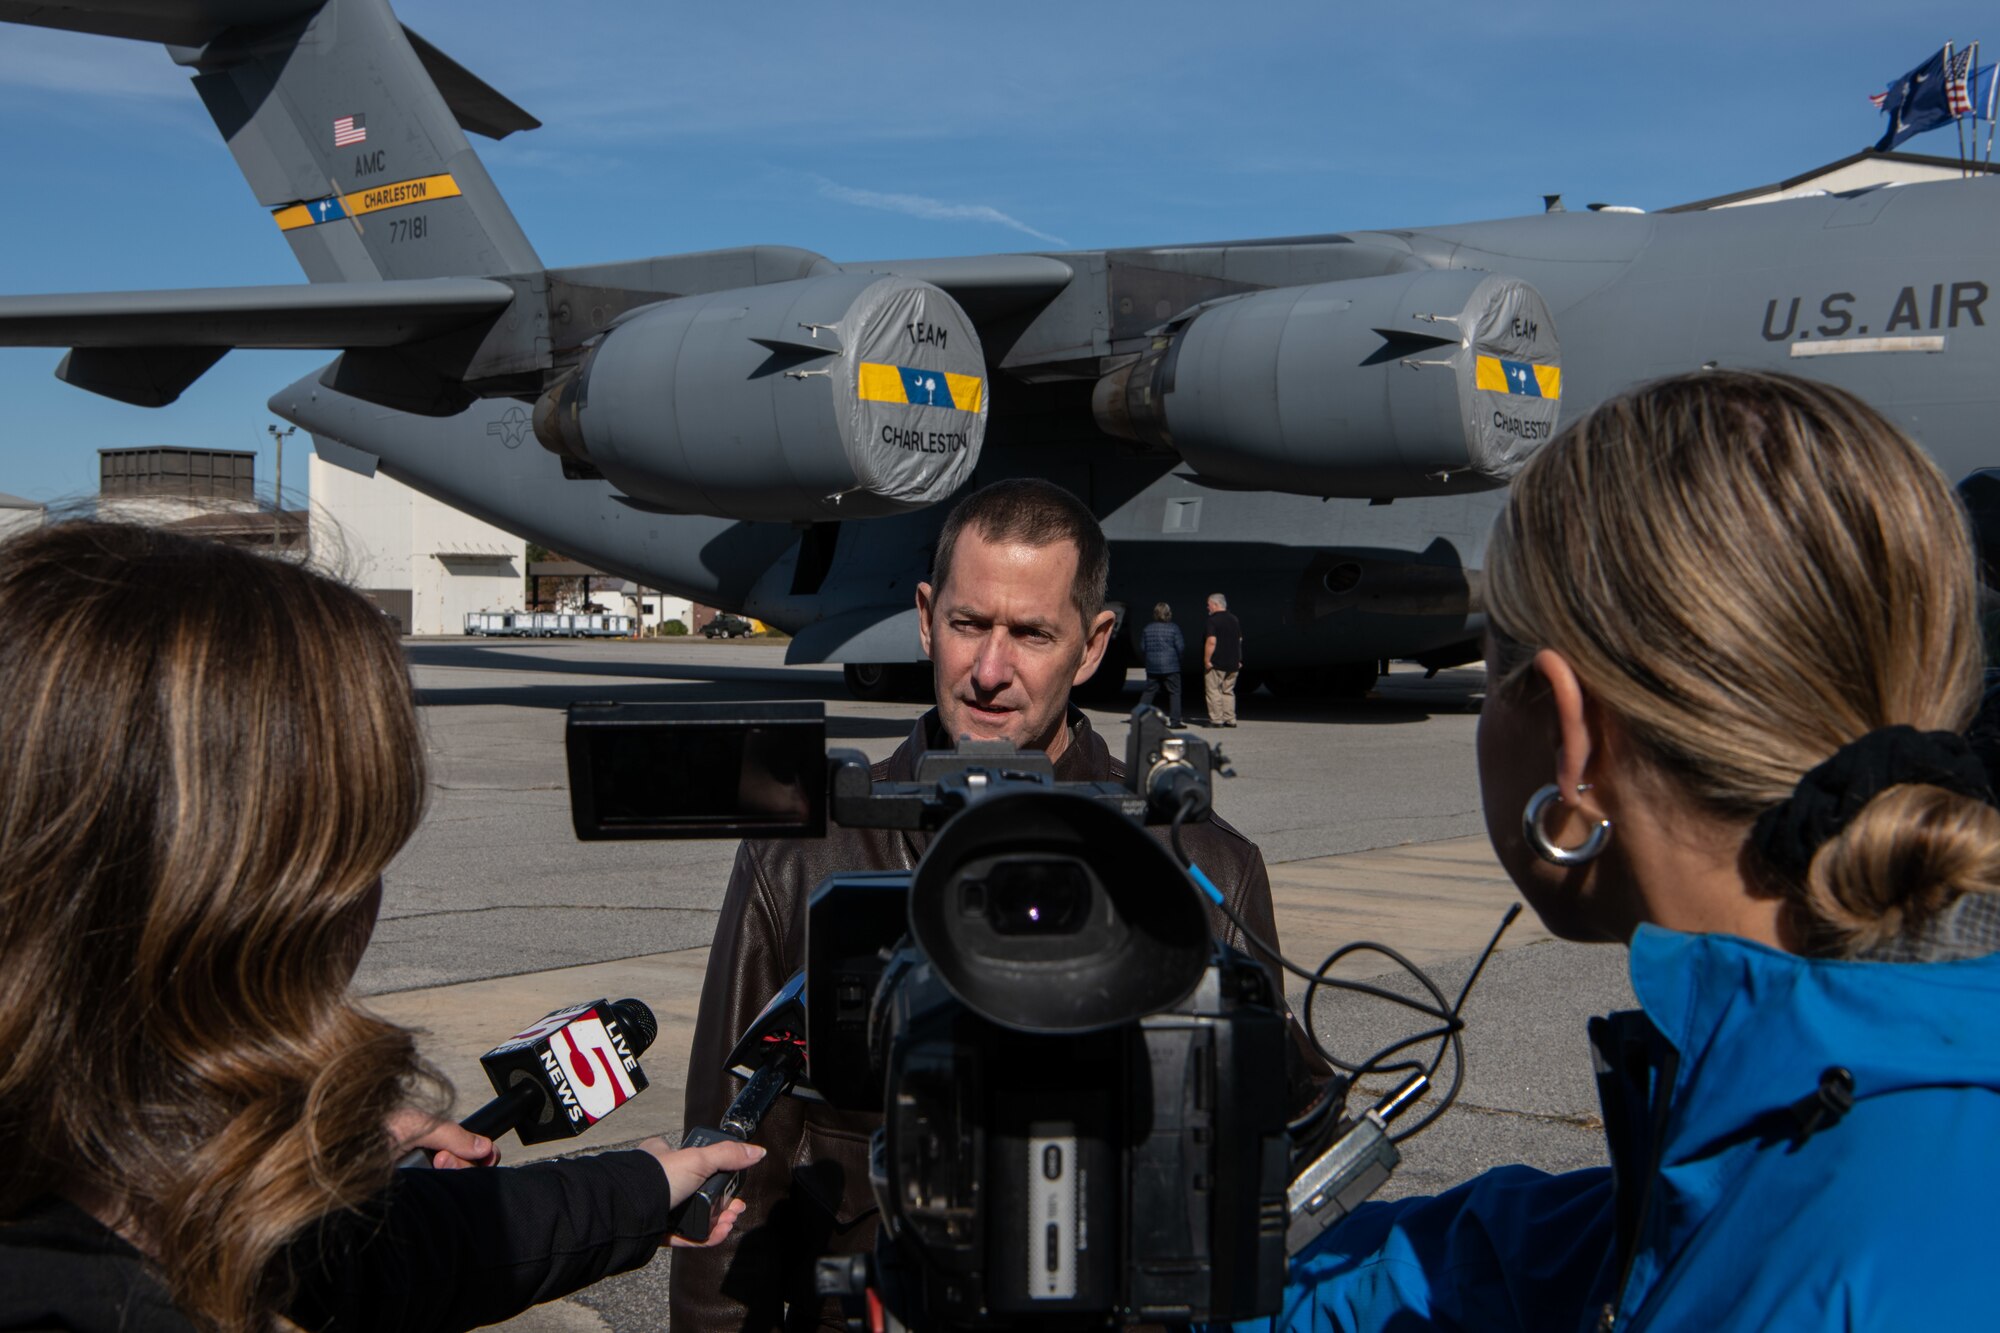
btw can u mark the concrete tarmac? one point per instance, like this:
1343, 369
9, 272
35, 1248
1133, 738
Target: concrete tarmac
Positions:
1367, 813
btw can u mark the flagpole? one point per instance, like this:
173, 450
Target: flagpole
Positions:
1992, 85
1972, 92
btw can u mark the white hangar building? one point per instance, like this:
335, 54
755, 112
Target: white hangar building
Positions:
421, 561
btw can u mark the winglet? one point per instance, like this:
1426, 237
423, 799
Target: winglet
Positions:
478, 106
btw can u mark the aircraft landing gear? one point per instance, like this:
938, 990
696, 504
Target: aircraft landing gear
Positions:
881, 682
1339, 682
1106, 686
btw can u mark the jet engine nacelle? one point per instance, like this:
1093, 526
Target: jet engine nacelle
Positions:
844, 396
1420, 383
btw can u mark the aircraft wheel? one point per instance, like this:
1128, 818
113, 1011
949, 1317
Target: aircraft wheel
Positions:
871, 681
1106, 686
914, 682
1350, 680
1336, 682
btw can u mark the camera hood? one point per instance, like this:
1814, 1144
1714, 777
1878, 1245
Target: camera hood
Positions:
1047, 912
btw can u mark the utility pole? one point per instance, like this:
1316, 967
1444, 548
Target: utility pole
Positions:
278, 438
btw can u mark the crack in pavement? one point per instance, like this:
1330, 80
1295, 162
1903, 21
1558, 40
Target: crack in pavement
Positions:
540, 907
1582, 1121
1376, 847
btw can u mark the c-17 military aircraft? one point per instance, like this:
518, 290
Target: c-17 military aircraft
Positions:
1319, 425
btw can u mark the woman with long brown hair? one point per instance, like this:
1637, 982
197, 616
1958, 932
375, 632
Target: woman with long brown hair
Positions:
207, 759
1732, 645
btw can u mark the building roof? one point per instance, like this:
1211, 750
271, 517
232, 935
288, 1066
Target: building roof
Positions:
178, 450
239, 525
1856, 171
477, 550
16, 502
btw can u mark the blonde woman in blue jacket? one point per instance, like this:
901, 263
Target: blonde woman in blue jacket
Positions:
1732, 640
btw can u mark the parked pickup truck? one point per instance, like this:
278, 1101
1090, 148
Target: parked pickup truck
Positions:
726, 626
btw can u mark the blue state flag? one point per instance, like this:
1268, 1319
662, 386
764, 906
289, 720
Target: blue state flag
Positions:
1984, 104
1916, 102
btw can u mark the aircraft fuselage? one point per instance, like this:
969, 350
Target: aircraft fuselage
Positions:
1888, 292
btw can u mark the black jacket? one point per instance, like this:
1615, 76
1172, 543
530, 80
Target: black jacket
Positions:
441, 1250
810, 1196
60, 1268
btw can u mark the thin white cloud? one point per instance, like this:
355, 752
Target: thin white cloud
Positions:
932, 210
558, 161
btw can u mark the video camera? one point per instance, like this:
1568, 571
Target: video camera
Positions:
1084, 1118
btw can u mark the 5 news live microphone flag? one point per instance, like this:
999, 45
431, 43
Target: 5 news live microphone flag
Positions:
563, 1074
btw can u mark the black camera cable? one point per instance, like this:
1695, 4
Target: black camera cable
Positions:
1323, 1116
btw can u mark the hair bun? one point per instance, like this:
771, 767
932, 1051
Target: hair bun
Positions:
1829, 796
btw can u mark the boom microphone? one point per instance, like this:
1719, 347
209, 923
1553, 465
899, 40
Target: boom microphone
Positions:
562, 1075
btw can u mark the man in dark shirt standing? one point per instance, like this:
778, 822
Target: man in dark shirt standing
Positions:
1223, 658
1013, 616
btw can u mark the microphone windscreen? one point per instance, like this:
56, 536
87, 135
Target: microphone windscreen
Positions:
637, 1017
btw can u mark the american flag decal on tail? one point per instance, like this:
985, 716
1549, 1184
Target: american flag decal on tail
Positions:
350, 130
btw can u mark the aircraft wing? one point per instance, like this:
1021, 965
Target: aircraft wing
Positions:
987, 286
329, 315
146, 348
174, 22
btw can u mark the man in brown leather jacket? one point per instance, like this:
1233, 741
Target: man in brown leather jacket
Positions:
1013, 617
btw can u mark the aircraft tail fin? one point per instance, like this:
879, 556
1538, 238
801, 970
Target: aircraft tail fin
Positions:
348, 128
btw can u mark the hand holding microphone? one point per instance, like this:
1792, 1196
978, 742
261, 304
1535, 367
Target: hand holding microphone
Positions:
440, 1143
700, 1221
770, 1056
559, 1077
555, 1079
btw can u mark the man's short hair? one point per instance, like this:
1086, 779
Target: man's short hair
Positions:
1218, 601
1032, 512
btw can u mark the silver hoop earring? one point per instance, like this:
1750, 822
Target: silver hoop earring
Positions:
1531, 825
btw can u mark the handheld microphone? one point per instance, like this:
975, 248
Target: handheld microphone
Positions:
562, 1075
770, 1055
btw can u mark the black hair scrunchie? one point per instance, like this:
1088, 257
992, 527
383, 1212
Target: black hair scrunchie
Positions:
1829, 796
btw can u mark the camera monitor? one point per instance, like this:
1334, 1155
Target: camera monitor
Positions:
697, 770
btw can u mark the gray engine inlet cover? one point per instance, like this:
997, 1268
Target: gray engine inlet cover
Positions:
1420, 383
841, 396
913, 390
1516, 376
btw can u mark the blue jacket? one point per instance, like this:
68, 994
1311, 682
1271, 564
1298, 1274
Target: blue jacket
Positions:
1882, 1219
1163, 645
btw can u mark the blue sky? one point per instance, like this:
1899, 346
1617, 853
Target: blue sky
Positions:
899, 130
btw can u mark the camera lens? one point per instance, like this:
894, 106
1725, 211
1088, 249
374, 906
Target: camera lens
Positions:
1037, 897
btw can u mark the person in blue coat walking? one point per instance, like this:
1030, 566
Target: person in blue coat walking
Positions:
1732, 643
1164, 648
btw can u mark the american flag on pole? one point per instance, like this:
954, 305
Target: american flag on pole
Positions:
351, 130
1957, 78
